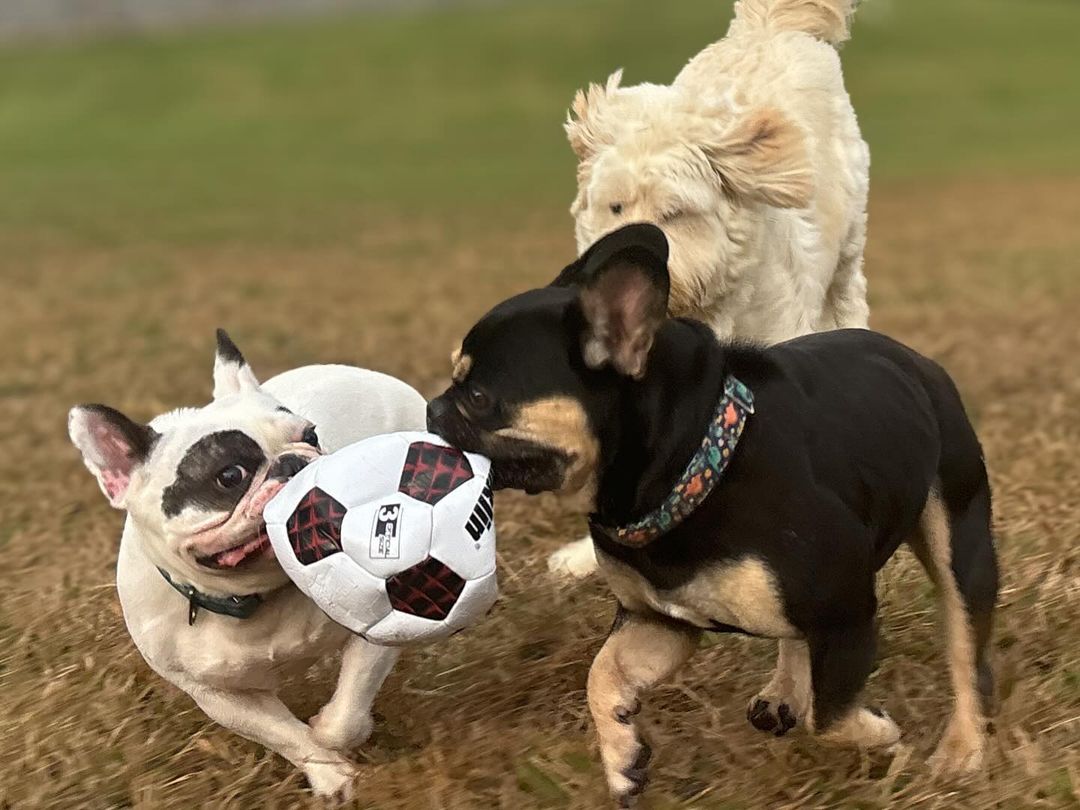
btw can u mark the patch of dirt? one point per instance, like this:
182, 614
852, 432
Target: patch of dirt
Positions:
982, 276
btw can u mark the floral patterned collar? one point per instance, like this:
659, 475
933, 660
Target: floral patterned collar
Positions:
701, 474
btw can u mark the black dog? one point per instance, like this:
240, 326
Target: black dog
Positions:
820, 457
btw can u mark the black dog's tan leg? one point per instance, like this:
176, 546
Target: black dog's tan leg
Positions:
841, 658
966, 593
788, 696
641, 652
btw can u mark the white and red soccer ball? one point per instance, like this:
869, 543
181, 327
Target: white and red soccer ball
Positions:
393, 537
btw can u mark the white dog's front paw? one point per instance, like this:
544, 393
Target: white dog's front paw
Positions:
340, 733
331, 776
575, 560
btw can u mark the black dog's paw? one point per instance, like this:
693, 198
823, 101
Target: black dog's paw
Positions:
637, 775
764, 716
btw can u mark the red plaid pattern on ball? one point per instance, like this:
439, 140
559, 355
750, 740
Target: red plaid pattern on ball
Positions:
314, 527
428, 589
432, 472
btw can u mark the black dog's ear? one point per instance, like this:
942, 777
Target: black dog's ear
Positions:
624, 296
641, 234
572, 274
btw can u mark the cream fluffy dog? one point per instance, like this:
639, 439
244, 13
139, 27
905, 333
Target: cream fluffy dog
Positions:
752, 163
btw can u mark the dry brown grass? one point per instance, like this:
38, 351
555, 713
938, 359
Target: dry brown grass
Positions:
982, 276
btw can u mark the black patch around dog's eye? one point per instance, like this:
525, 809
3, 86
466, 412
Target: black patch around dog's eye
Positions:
196, 476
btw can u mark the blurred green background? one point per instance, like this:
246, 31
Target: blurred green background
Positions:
361, 187
303, 131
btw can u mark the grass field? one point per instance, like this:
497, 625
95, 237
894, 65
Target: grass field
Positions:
362, 189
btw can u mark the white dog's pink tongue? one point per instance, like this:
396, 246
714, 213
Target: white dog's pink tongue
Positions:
236, 555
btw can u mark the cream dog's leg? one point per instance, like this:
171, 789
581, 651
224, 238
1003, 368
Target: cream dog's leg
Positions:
576, 560
845, 300
260, 716
345, 722
845, 303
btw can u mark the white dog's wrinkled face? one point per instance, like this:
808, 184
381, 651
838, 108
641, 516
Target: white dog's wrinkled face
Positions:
703, 172
194, 481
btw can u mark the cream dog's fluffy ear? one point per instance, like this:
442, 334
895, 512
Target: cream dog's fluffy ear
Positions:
582, 126
764, 157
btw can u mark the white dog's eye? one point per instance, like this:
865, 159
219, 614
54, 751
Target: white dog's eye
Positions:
231, 477
616, 208
667, 216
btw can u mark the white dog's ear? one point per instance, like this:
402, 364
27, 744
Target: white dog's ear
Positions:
232, 374
624, 297
112, 447
764, 157
583, 128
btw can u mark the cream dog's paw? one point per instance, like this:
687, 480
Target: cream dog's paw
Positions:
575, 560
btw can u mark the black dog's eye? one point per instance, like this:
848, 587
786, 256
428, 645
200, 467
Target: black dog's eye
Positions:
231, 477
479, 401
310, 437
616, 208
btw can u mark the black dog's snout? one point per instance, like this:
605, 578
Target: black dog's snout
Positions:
436, 410
287, 466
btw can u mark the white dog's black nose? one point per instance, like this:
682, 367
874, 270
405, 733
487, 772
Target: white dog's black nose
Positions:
287, 466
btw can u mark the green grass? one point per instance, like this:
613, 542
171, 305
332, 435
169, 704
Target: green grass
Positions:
299, 134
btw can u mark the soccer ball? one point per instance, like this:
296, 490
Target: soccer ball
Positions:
393, 537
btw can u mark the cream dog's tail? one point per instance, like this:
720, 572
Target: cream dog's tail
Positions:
828, 20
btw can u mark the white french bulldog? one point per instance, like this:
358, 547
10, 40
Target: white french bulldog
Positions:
204, 599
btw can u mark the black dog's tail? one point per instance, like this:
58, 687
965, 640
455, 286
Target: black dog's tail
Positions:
956, 545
